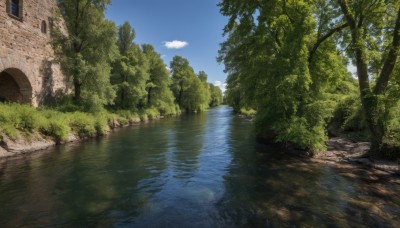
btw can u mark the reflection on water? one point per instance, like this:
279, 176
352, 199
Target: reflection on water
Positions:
202, 170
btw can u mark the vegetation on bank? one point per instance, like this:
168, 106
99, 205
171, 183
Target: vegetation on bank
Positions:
288, 60
114, 80
23, 120
109, 71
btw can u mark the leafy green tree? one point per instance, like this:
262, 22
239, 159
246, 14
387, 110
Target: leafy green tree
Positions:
203, 78
216, 95
159, 94
181, 72
189, 91
275, 54
374, 38
86, 49
130, 71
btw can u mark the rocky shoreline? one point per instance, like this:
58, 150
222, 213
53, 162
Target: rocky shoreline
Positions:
344, 151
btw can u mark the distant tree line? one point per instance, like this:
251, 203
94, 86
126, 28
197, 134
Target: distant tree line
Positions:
288, 60
108, 70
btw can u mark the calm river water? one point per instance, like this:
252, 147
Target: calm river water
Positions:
203, 170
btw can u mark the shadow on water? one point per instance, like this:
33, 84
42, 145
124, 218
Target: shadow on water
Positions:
202, 170
267, 188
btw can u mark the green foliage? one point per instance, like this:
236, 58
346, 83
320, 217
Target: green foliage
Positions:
159, 94
273, 69
86, 49
216, 97
10, 131
152, 113
101, 124
130, 74
248, 112
83, 124
128, 115
190, 92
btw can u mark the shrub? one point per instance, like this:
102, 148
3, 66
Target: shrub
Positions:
248, 112
83, 124
152, 113
101, 124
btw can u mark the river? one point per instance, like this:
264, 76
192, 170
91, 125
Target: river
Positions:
200, 170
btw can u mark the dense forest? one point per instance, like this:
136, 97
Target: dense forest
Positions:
113, 80
289, 61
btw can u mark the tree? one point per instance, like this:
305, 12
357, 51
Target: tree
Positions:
86, 49
216, 95
207, 90
159, 94
130, 70
189, 91
295, 51
375, 41
181, 72
275, 54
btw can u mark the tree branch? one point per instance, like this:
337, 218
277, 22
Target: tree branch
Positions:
390, 61
359, 48
323, 38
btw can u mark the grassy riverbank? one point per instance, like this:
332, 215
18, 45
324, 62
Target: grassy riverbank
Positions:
22, 120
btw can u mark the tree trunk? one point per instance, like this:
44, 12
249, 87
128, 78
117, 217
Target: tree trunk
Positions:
77, 91
149, 97
368, 99
180, 94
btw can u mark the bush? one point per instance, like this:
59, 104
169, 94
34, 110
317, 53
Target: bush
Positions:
248, 112
152, 113
101, 124
83, 124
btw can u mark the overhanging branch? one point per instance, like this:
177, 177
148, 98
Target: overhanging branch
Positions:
323, 38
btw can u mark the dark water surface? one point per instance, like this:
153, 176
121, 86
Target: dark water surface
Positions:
202, 170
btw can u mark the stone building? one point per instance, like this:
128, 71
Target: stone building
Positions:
28, 73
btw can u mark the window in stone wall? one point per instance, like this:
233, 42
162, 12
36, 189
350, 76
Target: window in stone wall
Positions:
14, 8
44, 27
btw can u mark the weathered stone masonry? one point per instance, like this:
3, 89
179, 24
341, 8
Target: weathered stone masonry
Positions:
28, 73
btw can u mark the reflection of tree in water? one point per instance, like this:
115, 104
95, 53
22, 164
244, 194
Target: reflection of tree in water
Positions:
267, 188
86, 191
187, 142
51, 189
137, 166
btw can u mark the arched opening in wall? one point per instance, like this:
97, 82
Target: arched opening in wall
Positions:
44, 27
15, 86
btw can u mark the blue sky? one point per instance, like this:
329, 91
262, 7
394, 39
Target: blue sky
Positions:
189, 28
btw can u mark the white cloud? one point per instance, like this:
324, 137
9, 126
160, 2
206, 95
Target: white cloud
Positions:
175, 44
220, 85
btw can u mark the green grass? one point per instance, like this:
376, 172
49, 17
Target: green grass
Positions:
18, 119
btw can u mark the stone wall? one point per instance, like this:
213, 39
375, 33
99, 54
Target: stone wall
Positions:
26, 53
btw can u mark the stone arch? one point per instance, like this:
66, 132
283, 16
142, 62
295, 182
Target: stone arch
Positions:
15, 86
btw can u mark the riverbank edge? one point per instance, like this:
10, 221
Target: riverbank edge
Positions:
14, 148
340, 151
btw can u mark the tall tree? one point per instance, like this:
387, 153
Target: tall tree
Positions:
216, 95
86, 49
159, 94
270, 58
189, 91
296, 49
130, 71
181, 74
207, 90
375, 42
